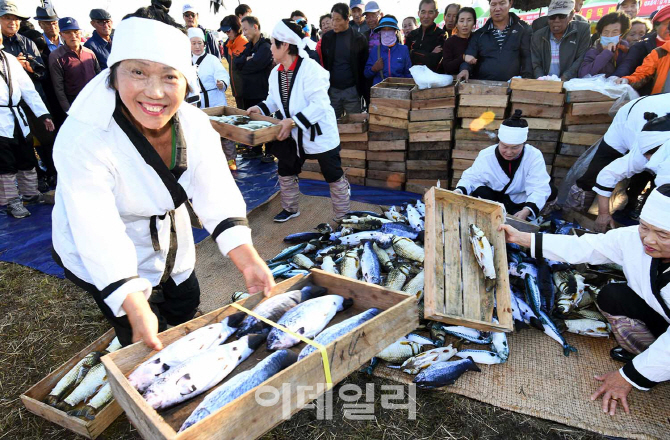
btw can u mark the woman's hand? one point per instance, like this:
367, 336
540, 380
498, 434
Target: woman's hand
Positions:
523, 214
49, 124
512, 235
470, 59
142, 320
255, 110
611, 47
256, 274
378, 65
286, 126
614, 389
219, 84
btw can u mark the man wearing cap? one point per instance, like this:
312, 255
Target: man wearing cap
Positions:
48, 21
637, 311
628, 7
511, 172
559, 48
191, 17
543, 21
372, 16
358, 23
101, 40
426, 42
72, 65
25, 51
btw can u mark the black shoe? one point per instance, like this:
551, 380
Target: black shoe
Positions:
267, 158
285, 215
621, 355
43, 185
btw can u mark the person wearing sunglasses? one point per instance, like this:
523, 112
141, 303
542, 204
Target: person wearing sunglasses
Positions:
559, 48
101, 41
191, 19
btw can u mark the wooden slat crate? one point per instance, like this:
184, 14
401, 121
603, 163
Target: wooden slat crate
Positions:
388, 176
589, 108
524, 96
360, 146
600, 129
354, 137
394, 88
433, 104
483, 101
535, 85
387, 134
244, 418
387, 145
438, 114
390, 110
387, 121
472, 145
354, 123
454, 286
587, 139
478, 124
243, 135
588, 119
429, 146
537, 110
399, 167
431, 136
482, 87
476, 112
585, 96
33, 398
429, 155
388, 156
432, 94
544, 135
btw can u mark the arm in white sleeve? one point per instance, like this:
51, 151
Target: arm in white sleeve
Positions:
316, 93
622, 168
589, 248
537, 185
85, 185
216, 198
269, 106
473, 177
28, 92
221, 74
650, 367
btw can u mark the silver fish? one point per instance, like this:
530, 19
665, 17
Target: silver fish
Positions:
394, 215
303, 261
97, 402
424, 360
444, 373
484, 254
73, 377
588, 327
95, 379
397, 277
307, 319
384, 240
421, 207
415, 285
552, 331
200, 372
571, 287
114, 345
499, 344
383, 258
351, 265
281, 270
328, 265
370, 267
240, 384
406, 248
182, 349
414, 219
238, 296
467, 333
589, 314
481, 356
400, 351
288, 252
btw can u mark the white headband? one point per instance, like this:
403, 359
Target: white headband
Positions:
655, 210
512, 135
195, 32
648, 140
144, 39
283, 33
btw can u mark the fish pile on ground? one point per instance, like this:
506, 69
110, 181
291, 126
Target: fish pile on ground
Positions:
84, 390
383, 249
200, 360
242, 121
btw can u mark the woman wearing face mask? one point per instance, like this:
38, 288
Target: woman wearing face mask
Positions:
391, 59
609, 50
454, 46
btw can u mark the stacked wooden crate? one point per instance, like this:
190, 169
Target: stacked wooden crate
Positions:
389, 109
482, 107
542, 104
431, 125
586, 120
353, 131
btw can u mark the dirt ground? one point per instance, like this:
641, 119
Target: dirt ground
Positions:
45, 321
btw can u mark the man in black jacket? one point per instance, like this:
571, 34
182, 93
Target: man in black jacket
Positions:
255, 65
426, 42
500, 49
344, 53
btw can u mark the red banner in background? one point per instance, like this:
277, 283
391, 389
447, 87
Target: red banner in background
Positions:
596, 12
649, 6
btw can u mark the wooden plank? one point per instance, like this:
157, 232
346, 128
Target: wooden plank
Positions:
357, 163
417, 189
587, 119
560, 172
388, 122
600, 129
391, 112
392, 90
436, 93
475, 112
312, 175
429, 146
388, 134
483, 100
480, 124
482, 87
585, 96
393, 103
384, 129
388, 156
355, 172
548, 157
537, 111
457, 174
433, 249
386, 166
470, 135
430, 136
544, 135
545, 146
579, 138
535, 85
387, 145
355, 180
573, 150
360, 146
353, 123
473, 145
544, 124
429, 155
424, 182
239, 134
461, 164
427, 104
427, 174
464, 154
428, 126
565, 161
521, 225
527, 97
389, 176
376, 183
427, 165
431, 115
353, 154
590, 108
354, 137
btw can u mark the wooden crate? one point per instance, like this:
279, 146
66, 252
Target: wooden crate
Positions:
398, 167
429, 155
388, 176
537, 110
416, 188
465, 154
350, 146
355, 180
387, 121
589, 108
394, 88
434, 93
454, 289
473, 145
600, 129
433, 104
243, 135
478, 124
483, 101
585, 96
388, 110
431, 136
353, 123
429, 146
438, 114
587, 119
544, 146
541, 98
564, 161
428, 126
536, 85
387, 145
427, 165
579, 138
355, 172
461, 164
544, 124
391, 103
544, 135
353, 154
376, 183
33, 399
427, 174
475, 112
482, 87
357, 163
389, 156
480, 135
387, 134
244, 418
354, 137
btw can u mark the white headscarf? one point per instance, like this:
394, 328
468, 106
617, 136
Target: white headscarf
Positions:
144, 39
656, 209
283, 33
654, 133
512, 135
196, 32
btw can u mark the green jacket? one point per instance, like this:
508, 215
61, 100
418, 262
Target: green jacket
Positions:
574, 44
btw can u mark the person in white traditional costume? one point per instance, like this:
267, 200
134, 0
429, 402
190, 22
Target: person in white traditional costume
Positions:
648, 143
131, 156
639, 310
299, 91
511, 172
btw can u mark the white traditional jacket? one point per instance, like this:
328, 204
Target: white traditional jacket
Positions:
530, 181
309, 106
22, 88
623, 247
115, 198
210, 70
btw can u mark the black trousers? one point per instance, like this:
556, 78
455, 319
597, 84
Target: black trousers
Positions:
636, 185
603, 156
290, 164
172, 304
620, 300
16, 154
248, 103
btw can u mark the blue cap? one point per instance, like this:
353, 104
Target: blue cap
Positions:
372, 7
68, 24
360, 4
387, 22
